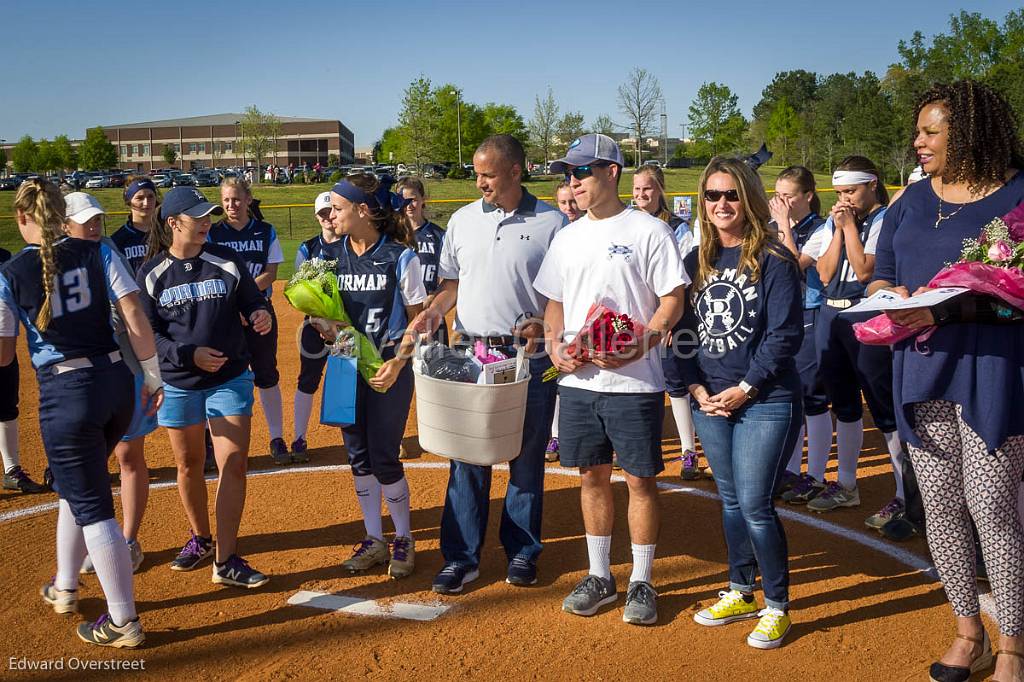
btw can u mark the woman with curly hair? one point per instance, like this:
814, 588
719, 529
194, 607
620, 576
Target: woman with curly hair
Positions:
958, 403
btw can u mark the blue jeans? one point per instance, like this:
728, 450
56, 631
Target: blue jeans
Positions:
466, 504
748, 453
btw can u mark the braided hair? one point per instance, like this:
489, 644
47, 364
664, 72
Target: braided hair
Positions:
983, 140
43, 203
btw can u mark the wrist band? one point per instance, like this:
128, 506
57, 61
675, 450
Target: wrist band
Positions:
151, 374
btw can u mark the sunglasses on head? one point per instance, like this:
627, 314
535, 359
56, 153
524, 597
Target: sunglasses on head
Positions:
714, 195
583, 172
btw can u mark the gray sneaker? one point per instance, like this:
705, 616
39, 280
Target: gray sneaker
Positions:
803, 491
641, 604
834, 496
589, 595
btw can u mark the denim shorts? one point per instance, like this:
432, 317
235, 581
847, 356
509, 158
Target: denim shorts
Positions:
184, 407
142, 424
592, 425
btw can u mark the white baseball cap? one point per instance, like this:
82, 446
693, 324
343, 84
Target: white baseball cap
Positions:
323, 200
80, 207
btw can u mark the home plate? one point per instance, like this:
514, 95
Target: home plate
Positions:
366, 607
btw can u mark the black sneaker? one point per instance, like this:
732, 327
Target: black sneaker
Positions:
299, 454
196, 551
48, 478
521, 572
899, 528
452, 577
17, 479
237, 572
279, 451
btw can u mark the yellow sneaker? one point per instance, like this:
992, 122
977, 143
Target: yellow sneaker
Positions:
730, 607
770, 630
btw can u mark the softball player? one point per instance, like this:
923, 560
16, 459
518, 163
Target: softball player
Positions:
312, 354
15, 478
846, 263
61, 290
382, 288
429, 239
194, 294
256, 242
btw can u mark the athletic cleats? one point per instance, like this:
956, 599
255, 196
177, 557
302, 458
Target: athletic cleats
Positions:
589, 595
551, 451
299, 454
691, 467
18, 479
730, 607
279, 451
196, 551
48, 478
789, 480
452, 577
834, 496
104, 633
62, 601
803, 491
403, 558
367, 554
771, 629
237, 572
885, 514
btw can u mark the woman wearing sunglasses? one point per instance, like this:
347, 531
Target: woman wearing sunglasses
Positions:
746, 310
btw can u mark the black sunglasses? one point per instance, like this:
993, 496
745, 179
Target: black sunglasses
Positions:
713, 195
584, 172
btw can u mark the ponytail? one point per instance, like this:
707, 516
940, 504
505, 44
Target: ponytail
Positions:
158, 239
804, 179
43, 203
386, 218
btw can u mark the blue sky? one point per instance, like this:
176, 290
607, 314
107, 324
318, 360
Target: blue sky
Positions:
73, 65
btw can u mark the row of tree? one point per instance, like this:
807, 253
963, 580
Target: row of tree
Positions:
44, 156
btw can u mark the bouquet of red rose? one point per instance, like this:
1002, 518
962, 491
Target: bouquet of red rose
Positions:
990, 264
604, 331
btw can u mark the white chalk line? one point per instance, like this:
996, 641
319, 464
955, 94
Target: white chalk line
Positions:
899, 554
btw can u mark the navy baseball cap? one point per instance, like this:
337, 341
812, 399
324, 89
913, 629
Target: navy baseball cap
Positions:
588, 149
187, 200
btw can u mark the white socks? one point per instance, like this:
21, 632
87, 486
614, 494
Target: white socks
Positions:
599, 549
554, 421
819, 444
270, 398
70, 548
643, 560
303, 408
849, 440
113, 562
684, 422
368, 494
9, 443
797, 458
397, 496
896, 455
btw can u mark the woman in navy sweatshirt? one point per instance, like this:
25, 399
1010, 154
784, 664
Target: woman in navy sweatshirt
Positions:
959, 395
746, 317
193, 293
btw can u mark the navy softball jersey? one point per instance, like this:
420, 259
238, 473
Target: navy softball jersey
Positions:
91, 278
844, 284
195, 302
132, 243
429, 238
316, 248
376, 287
5, 255
256, 243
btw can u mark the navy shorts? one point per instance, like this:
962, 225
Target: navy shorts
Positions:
9, 391
592, 424
312, 358
263, 352
82, 416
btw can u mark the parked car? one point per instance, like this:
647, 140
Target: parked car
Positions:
207, 179
116, 179
97, 182
162, 180
10, 183
183, 180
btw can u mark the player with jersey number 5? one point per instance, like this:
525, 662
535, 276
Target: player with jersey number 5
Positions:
195, 294
257, 243
61, 290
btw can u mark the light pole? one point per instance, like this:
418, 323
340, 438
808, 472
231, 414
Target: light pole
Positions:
4, 169
664, 134
458, 121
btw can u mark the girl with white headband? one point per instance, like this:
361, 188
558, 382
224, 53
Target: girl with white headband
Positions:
845, 264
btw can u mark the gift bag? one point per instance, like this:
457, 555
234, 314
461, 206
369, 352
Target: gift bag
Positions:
338, 404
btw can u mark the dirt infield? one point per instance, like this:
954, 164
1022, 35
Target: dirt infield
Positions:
859, 613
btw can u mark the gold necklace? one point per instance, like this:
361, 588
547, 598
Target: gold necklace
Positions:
940, 217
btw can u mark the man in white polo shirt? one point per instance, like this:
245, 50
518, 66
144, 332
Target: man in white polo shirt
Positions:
492, 250
615, 403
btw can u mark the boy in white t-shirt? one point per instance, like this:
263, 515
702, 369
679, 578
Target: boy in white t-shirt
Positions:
630, 260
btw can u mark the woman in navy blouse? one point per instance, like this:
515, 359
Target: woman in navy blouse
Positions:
958, 396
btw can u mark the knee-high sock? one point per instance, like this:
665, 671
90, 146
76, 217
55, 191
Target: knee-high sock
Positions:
819, 444
113, 561
896, 455
368, 494
303, 408
397, 496
684, 422
554, 421
643, 561
599, 548
270, 398
70, 548
797, 458
849, 440
9, 444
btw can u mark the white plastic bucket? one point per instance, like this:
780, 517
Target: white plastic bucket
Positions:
473, 423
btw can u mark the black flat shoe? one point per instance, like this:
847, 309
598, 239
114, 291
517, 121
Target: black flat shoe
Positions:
941, 672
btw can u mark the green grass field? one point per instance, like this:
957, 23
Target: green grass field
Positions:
296, 223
